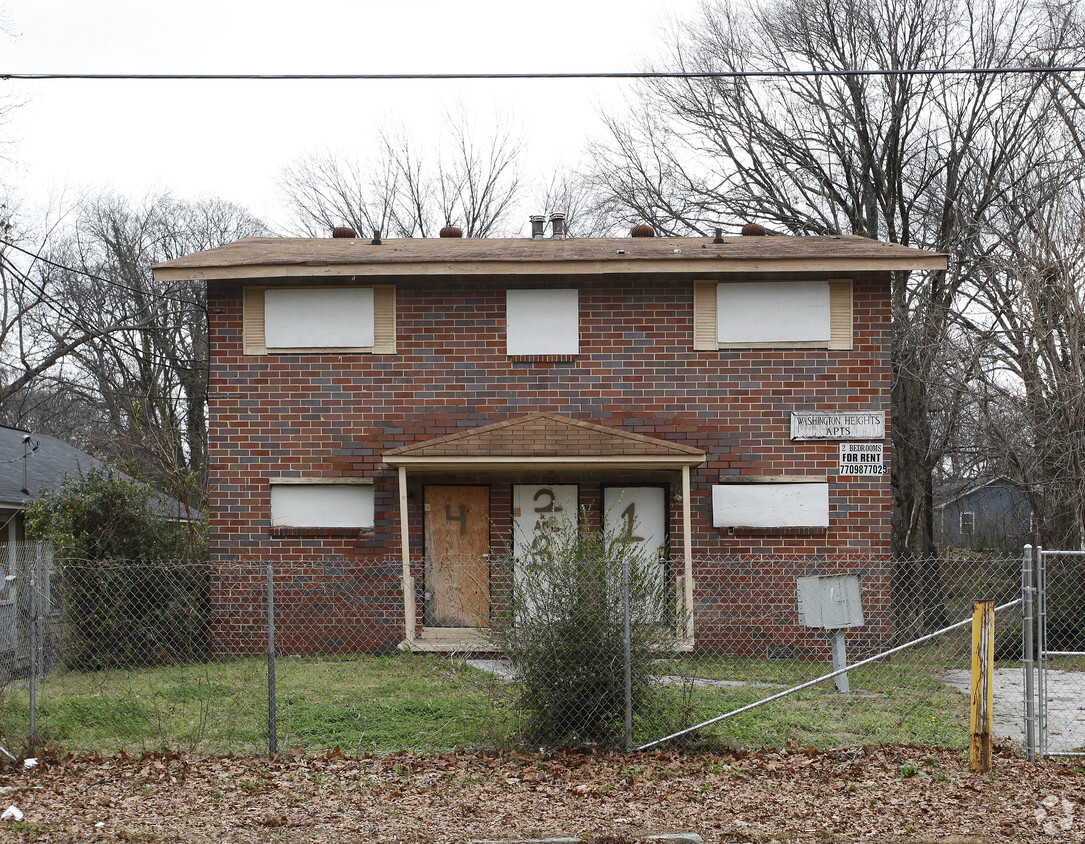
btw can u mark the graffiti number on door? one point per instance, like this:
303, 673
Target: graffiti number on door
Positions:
629, 517
461, 518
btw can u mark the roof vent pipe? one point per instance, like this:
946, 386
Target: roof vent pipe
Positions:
719, 235
538, 223
557, 226
376, 241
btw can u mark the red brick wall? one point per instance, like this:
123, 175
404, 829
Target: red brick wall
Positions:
335, 415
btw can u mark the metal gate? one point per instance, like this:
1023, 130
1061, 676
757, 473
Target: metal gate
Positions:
1056, 641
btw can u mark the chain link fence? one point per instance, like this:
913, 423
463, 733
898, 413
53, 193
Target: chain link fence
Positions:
359, 655
1060, 638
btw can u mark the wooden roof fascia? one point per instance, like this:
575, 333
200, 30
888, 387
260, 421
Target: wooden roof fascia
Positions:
640, 266
615, 461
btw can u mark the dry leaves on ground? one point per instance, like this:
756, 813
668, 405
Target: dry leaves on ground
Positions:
900, 794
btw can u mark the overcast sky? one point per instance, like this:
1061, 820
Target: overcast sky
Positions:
232, 138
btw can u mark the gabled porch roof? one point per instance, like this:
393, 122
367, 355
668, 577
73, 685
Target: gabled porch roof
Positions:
544, 439
537, 440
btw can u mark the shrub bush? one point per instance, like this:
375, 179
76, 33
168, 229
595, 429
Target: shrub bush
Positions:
564, 629
133, 590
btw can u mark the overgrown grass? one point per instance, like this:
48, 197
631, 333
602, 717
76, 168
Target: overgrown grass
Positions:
356, 703
922, 710
387, 703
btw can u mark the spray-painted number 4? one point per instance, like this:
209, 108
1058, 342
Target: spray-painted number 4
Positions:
461, 518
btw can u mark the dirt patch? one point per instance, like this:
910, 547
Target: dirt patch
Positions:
898, 794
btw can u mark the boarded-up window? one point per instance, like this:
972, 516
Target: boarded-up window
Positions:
297, 318
774, 314
770, 505
319, 319
322, 505
542, 322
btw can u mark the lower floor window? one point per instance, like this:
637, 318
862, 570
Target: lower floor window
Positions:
322, 504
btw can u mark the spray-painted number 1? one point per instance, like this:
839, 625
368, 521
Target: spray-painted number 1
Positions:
629, 514
461, 518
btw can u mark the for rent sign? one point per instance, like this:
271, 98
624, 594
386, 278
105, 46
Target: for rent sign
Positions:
862, 459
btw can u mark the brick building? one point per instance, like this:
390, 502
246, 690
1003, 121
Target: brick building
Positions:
389, 418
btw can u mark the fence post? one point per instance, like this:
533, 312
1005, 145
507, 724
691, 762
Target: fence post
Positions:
627, 655
1041, 651
983, 657
1028, 650
34, 647
272, 726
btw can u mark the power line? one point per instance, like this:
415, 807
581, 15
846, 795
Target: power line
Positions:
661, 74
37, 256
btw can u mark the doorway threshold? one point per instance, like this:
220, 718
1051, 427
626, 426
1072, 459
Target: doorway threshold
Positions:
451, 640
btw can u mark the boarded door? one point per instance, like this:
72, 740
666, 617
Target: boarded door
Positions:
538, 512
457, 556
638, 514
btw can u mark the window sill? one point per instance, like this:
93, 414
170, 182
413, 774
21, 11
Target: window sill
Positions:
542, 358
776, 531
353, 533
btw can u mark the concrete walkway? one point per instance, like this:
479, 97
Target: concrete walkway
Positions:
1065, 702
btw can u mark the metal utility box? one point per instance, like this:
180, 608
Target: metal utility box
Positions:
830, 601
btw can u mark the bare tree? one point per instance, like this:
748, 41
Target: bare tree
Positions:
916, 159
573, 195
469, 179
39, 325
143, 372
1032, 326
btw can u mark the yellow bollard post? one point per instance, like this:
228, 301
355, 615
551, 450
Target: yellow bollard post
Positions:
983, 661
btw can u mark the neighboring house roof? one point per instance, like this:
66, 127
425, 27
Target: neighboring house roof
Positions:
46, 468
548, 438
273, 257
956, 492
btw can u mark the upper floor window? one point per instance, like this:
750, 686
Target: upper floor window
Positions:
773, 314
542, 322
319, 319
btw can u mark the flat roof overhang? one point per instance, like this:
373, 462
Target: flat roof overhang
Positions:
506, 464
723, 266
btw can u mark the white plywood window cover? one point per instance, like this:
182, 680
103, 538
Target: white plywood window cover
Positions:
329, 318
542, 322
322, 505
772, 312
770, 505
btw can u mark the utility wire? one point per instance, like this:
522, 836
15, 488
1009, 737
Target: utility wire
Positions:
662, 74
37, 256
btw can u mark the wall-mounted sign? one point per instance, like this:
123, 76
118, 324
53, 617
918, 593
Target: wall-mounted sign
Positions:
868, 425
862, 459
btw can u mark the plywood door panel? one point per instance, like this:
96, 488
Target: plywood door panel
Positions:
457, 555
